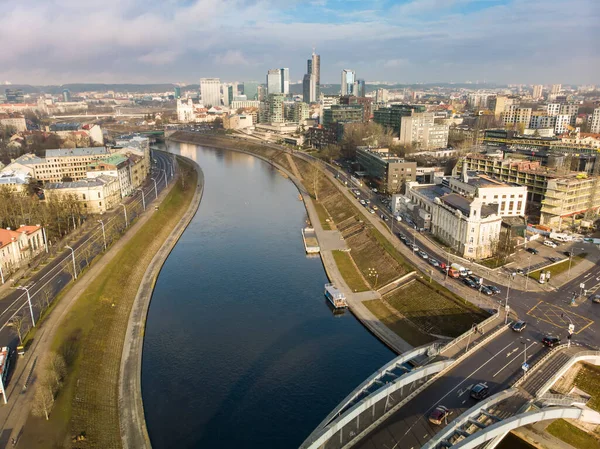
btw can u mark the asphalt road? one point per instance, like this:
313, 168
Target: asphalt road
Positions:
53, 277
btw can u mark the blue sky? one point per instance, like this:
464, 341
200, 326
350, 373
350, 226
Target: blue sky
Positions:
505, 41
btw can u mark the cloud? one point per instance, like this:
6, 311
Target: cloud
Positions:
500, 40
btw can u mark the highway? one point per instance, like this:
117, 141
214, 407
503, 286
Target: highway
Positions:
44, 285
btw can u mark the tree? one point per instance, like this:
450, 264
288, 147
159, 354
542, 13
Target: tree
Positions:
43, 399
56, 368
47, 296
70, 268
17, 323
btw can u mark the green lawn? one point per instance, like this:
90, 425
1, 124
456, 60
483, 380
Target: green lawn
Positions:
349, 271
91, 337
391, 250
434, 310
572, 435
323, 215
402, 327
559, 267
588, 379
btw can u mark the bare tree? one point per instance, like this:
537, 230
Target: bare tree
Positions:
43, 399
70, 268
47, 296
56, 368
17, 322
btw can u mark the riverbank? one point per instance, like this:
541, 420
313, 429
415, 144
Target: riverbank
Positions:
134, 433
90, 331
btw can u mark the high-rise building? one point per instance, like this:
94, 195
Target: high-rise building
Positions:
210, 90
595, 124
66, 95
301, 112
556, 88
342, 113
285, 81
261, 92
499, 104
274, 85
391, 118
14, 96
553, 108
348, 79
311, 83
251, 90
538, 91
276, 108
177, 92
381, 96
359, 88
420, 130
229, 91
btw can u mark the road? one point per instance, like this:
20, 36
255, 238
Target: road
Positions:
49, 281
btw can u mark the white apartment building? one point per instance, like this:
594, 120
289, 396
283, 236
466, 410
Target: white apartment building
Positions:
97, 195
420, 130
237, 104
478, 100
117, 166
538, 91
514, 114
19, 246
210, 90
553, 109
15, 121
595, 124
556, 89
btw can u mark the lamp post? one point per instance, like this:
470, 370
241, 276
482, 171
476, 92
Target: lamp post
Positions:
74, 265
570, 261
510, 278
29, 301
165, 173
125, 212
373, 273
528, 268
143, 198
103, 233
155, 188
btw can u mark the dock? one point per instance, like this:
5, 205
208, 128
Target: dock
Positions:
311, 244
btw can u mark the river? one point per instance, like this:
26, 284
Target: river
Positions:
241, 348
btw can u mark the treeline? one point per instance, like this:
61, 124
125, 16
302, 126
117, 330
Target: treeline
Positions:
59, 215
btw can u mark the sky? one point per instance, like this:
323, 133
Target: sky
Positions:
407, 41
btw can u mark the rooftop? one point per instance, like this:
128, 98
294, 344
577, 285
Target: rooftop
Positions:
29, 159
87, 182
91, 151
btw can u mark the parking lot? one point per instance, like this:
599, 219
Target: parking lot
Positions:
528, 262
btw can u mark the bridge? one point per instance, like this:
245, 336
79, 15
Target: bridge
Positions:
390, 409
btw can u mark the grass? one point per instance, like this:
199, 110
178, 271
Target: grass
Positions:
323, 216
572, 435
434, 310
349, 271
588, 379
492, 262
400, 326
391, 250
559, 268
91, 338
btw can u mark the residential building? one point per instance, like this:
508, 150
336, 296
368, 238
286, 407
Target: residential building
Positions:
556, 89
16, 121
18, 247
499, 103
348, 79
381, 96
516, 115
15, 180
14, 96
328, 100
237, 104
276, 108
391, 118
319, 136
553, 109
116, 165
343, 113
366, 103
478, 100
70, 163
97, 195
387, 170
210, 90
301, 111
420, 131
586, 139
538, 92
251, 90
595, 123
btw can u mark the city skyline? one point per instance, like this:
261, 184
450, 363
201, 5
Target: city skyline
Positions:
502, 41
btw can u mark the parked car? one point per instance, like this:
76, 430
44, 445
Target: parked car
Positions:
423, 254
520, 271
595, 299
554, 259
367, 200
532, 251
494, 289
439, 415
375, 207
433, 262
362, 202
401, 236
371, 211
480, 391
474, 278
518, 326
469, 283
550, 341
415, 248
486, 291
550, 243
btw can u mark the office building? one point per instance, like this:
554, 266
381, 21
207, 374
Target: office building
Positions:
595, 122
348, 80
97, 195
66, 95
262, 93
177, 92
285, 81
328, 100
391, 117
420, 131
308, 88
210, 90
16, 121
538, 92
251, 90
388, 171
274, 82
229, 91
365, 102
14, 96
556, 89
311, 82
342, 113
359, 88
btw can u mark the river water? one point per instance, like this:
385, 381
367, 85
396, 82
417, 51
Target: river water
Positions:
241, 348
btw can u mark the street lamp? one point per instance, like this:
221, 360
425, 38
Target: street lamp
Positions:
510, 278
155, 189
527, 274
165, 173
29, 301
143, 198
103, 233
125, 212
74, 265
373, 273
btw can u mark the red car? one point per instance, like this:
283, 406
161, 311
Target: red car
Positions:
439, 415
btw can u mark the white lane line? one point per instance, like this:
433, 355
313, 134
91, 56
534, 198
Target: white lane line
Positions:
513, 359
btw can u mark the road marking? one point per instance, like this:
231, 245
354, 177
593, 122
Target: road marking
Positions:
531, 310
555, 315
508, 354
467, 389
513, 359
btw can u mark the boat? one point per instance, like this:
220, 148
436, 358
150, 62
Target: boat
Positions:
335, 297
311, 244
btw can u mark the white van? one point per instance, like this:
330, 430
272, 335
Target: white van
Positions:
550, 243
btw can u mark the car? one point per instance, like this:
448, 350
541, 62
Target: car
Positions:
520, 271
439, 415
550, 341
518, 326
595, 299
550, 243
362, 202
385, 217
401, 236
469, 283
554, 259
495, 290
567, 253
474, 278
368, 201
371, 211
375, 207
532, 251
433, 262
486, 291
423, 254
480, 391
415, 248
